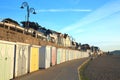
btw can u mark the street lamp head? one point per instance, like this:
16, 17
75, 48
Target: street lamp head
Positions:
22, 7
24, 4
34, 12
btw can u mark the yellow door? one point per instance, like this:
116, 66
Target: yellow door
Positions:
34, 59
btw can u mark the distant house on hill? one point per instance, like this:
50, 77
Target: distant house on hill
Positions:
60, 39
94, 49
73, 46
11, 24
54, 36
85, 47
50, 34
66, 40
77, 46
11, 21
37, 34
43, 30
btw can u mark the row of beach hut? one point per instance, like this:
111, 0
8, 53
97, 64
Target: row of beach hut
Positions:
17, 59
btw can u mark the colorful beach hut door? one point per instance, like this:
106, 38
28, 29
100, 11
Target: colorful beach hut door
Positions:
67, 54
21, 65
45, 52
47, 56
53, 56
6, 61
58, 55
34, 59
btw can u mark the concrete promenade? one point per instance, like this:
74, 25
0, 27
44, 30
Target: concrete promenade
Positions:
64, 71
106, 67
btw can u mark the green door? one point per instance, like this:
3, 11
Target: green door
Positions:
58, 56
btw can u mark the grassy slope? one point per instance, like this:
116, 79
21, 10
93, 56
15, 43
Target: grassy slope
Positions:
81, 71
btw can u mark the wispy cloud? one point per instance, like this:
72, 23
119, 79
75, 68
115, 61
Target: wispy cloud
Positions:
76, 1
102, 12
64, 10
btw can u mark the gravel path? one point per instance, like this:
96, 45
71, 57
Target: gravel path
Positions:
106, 67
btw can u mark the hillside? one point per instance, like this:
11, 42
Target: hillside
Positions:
115, 52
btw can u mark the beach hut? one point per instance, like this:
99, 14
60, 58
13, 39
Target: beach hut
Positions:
75, 54
64, 55
34, 58
58, 55
21, 59
78, 54
67, 54
53, 55
6, 60
45, 56
72, 54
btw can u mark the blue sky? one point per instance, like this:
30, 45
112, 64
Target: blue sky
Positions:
96, 22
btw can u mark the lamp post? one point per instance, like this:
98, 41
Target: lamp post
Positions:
32, 10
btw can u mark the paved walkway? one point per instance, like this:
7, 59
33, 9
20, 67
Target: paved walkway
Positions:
63, 71
105, 67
